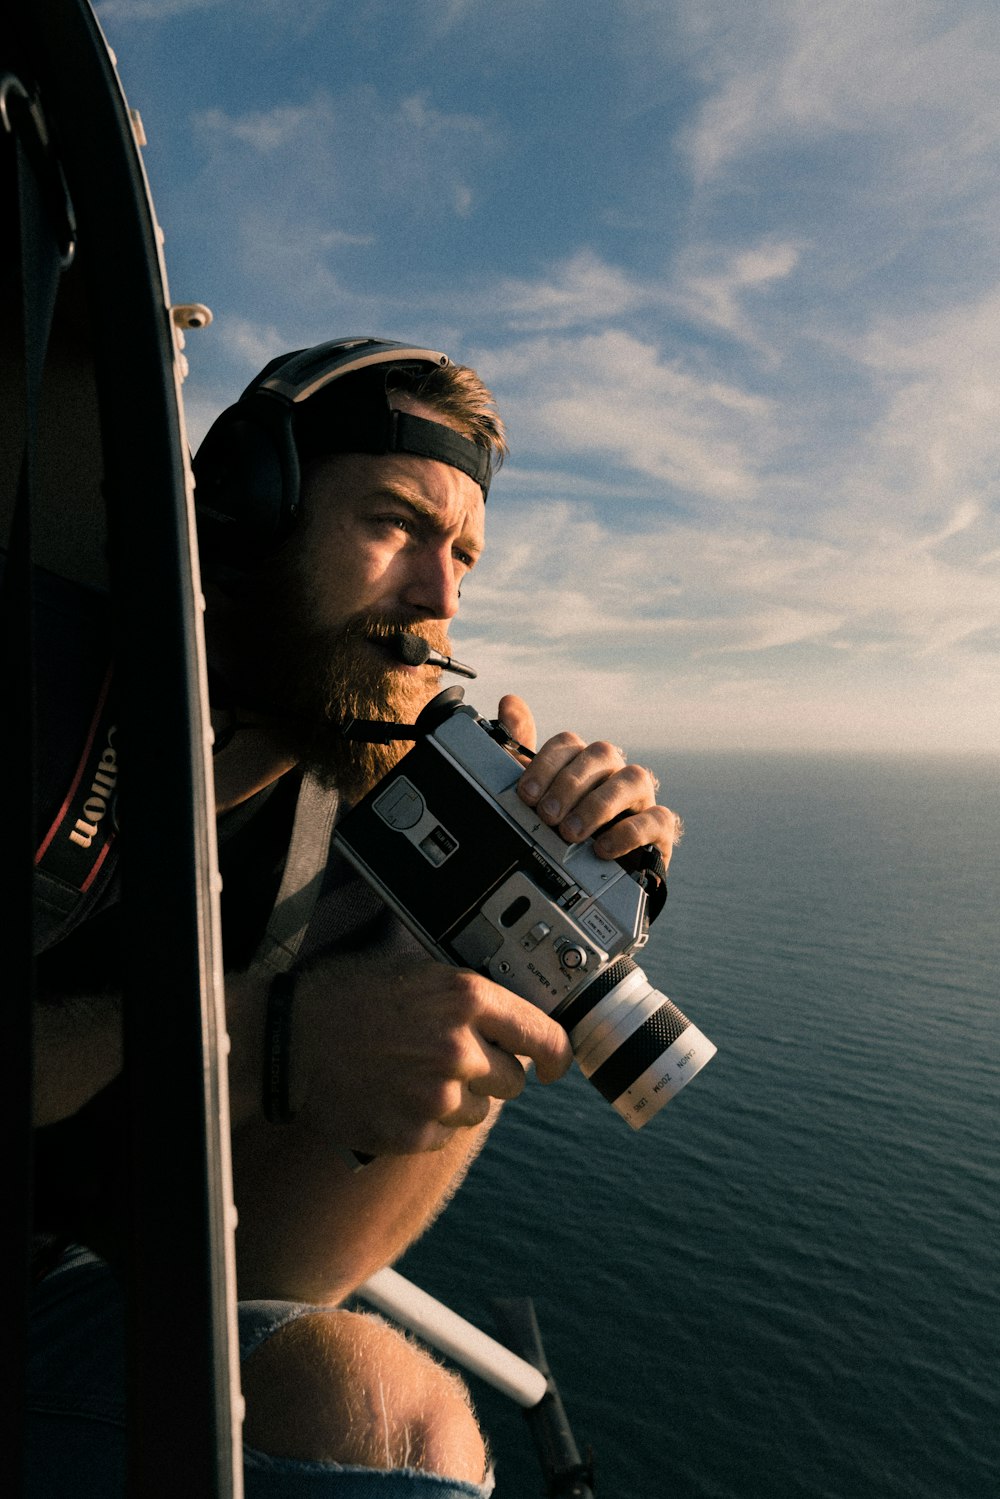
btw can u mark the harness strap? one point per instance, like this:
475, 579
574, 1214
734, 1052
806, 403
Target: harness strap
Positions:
308, 851
298, 893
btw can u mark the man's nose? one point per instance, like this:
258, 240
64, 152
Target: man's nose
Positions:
432, 583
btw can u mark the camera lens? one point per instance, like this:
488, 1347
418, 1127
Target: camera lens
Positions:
636, 1047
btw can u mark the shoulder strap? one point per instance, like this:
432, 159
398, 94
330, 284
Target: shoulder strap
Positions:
78, 841
308, 851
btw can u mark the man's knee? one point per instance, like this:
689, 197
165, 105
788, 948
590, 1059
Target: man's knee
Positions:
346, 1387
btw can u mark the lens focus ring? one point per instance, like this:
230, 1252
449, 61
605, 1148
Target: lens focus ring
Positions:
582, 1003
645, 1046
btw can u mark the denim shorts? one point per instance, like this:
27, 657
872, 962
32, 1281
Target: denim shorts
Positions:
76, 1403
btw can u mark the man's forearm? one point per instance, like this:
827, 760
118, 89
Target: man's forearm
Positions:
404, 1058
311, 1229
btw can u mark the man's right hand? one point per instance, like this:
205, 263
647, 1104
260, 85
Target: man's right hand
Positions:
393, 1056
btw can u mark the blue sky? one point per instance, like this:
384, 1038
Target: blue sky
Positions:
732, 271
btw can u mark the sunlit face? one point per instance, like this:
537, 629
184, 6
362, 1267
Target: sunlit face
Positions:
393, 534
385, 543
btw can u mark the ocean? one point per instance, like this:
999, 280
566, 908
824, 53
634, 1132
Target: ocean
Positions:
786, 1285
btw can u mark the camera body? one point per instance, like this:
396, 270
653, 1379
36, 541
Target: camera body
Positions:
485, 884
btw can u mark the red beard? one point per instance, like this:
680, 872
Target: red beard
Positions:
308, 680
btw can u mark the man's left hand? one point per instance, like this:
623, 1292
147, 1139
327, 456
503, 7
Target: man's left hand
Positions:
577, 788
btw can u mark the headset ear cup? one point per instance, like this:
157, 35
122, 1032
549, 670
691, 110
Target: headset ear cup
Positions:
246, 482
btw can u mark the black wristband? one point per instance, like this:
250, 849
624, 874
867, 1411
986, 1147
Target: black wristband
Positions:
277, 1048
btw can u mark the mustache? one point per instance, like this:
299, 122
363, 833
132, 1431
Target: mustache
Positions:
411, 648
385, 626
355, 682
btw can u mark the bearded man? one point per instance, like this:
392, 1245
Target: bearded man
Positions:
342, 505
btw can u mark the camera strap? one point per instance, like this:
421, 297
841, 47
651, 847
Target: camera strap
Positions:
377, 731
647, 864
506, 740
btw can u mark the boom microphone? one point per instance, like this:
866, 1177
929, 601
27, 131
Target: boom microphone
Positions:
413, 650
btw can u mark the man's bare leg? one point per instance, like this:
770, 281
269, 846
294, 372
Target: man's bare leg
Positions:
345, 1387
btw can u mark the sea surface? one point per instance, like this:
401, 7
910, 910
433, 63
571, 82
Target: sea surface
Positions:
787, 1284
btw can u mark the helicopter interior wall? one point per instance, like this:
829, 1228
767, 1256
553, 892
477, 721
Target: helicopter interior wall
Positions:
69, 528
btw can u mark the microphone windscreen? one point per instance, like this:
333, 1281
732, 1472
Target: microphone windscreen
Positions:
411, 650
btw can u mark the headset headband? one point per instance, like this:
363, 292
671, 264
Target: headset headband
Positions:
367, 423
333, 398
300, 375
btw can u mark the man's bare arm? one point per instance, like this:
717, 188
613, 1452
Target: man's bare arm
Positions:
404, 1059
391, 1056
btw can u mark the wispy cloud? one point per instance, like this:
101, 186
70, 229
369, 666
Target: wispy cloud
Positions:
732, 273
941, 425
360, 146
122, 11
612, 395
308, 193
581, 291
907, 71
674, 606
721, 287
575, 575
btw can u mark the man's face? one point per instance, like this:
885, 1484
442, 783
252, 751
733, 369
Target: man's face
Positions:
384, 545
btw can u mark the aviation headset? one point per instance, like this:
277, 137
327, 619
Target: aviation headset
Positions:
248, 469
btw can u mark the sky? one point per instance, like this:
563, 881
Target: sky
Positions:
732, 273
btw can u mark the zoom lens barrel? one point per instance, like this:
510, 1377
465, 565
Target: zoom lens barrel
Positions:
636, 1047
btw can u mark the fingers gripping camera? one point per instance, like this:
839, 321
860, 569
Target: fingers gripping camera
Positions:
485, 884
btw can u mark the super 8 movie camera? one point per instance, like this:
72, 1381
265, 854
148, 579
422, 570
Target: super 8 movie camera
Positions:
485, 884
